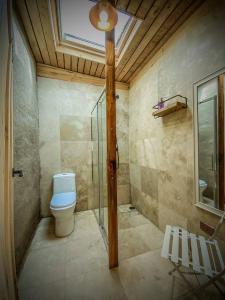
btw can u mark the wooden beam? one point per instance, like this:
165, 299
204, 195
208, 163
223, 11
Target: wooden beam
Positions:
221, 139
111, 147
66, 75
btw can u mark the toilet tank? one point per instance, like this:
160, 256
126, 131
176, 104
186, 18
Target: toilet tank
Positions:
64, 183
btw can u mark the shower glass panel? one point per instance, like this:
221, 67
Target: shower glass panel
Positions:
95, 171
99, 164
104, 165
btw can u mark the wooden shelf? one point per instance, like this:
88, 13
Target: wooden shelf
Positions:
170, 108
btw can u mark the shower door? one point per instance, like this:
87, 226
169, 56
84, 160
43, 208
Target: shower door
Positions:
99, 164
209, 134
207, 131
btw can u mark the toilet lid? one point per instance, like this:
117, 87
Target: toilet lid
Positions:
63, 200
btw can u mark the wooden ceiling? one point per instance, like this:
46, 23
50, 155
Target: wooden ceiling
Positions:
161, 18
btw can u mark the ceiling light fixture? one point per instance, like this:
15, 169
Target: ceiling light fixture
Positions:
103, 16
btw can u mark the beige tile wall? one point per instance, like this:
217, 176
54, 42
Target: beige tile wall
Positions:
25, 145
65, 138
162, 150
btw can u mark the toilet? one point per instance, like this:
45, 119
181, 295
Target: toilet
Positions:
202, 187
63, 203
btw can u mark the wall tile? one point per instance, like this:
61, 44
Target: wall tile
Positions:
25, 145
149, 181
123, 174
123, 194
74, 128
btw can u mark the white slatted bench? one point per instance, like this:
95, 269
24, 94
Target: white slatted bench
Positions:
195, 252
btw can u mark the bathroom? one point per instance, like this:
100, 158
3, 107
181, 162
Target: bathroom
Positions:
170, 169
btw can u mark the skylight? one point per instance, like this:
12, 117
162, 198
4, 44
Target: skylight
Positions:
76, 27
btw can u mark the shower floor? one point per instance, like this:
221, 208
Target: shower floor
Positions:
76, 267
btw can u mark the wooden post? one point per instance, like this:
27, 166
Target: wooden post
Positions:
111, 147
221, 139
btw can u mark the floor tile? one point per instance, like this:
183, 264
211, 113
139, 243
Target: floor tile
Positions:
43, 266
76, 267
55, 290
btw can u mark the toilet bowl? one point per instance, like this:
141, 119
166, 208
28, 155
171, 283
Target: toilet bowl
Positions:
63, 203
202, 187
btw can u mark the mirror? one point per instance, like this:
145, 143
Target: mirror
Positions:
210, 142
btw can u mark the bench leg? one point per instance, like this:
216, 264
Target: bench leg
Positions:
192, 288
203, 286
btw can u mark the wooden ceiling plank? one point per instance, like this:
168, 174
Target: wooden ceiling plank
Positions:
162, 40
103, 73
94, 66
152, 14
159, 21
81, 63
122, 5
60, 59
144, 8
36, 22
74, 63
68, 62
21, 6
99, 70
133, 6
46, 25
174, 17
62, 74
87, 67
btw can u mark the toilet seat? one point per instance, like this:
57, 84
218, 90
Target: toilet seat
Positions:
63, 200
202, 183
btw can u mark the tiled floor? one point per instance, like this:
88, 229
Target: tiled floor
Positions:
75, 267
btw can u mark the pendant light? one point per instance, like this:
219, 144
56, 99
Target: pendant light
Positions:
103, 16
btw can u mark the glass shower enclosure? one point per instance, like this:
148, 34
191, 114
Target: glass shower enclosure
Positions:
99, 164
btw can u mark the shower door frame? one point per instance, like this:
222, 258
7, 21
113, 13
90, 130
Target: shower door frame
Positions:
220, 75
101, 215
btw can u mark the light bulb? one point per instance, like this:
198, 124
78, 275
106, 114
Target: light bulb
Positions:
103, 23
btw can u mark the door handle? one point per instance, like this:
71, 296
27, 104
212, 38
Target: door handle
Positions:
18, 173
117, 155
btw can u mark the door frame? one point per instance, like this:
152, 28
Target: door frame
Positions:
8, 280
